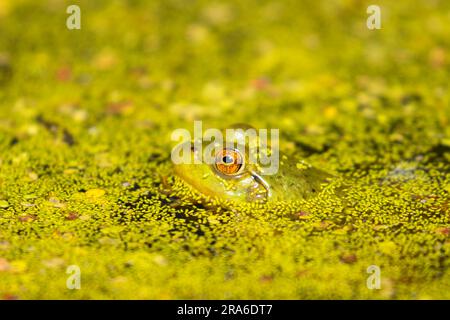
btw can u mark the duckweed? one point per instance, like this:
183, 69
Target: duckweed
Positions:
86, 177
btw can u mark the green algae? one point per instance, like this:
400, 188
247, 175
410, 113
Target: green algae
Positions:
85, 171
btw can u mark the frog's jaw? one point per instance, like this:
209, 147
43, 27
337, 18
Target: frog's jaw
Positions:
203, 179
288, 184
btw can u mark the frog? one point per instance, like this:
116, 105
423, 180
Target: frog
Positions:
232, 177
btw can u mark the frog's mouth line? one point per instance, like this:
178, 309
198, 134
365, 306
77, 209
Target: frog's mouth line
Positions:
256, 194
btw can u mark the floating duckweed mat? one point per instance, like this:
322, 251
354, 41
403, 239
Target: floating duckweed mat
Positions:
86, 177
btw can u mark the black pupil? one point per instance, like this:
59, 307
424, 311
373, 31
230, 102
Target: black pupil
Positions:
227, 159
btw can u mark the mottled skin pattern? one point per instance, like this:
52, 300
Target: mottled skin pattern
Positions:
291, 182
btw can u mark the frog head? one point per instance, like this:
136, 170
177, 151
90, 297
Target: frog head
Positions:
232, 173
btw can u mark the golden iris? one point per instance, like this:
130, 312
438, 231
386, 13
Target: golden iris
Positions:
229, 161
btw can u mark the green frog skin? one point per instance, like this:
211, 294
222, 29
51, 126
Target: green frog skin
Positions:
291, 182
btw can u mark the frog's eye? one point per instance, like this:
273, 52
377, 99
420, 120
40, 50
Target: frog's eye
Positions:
229, 162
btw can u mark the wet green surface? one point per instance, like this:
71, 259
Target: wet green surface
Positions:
85, 171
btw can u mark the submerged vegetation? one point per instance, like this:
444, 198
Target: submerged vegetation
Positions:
86, 177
